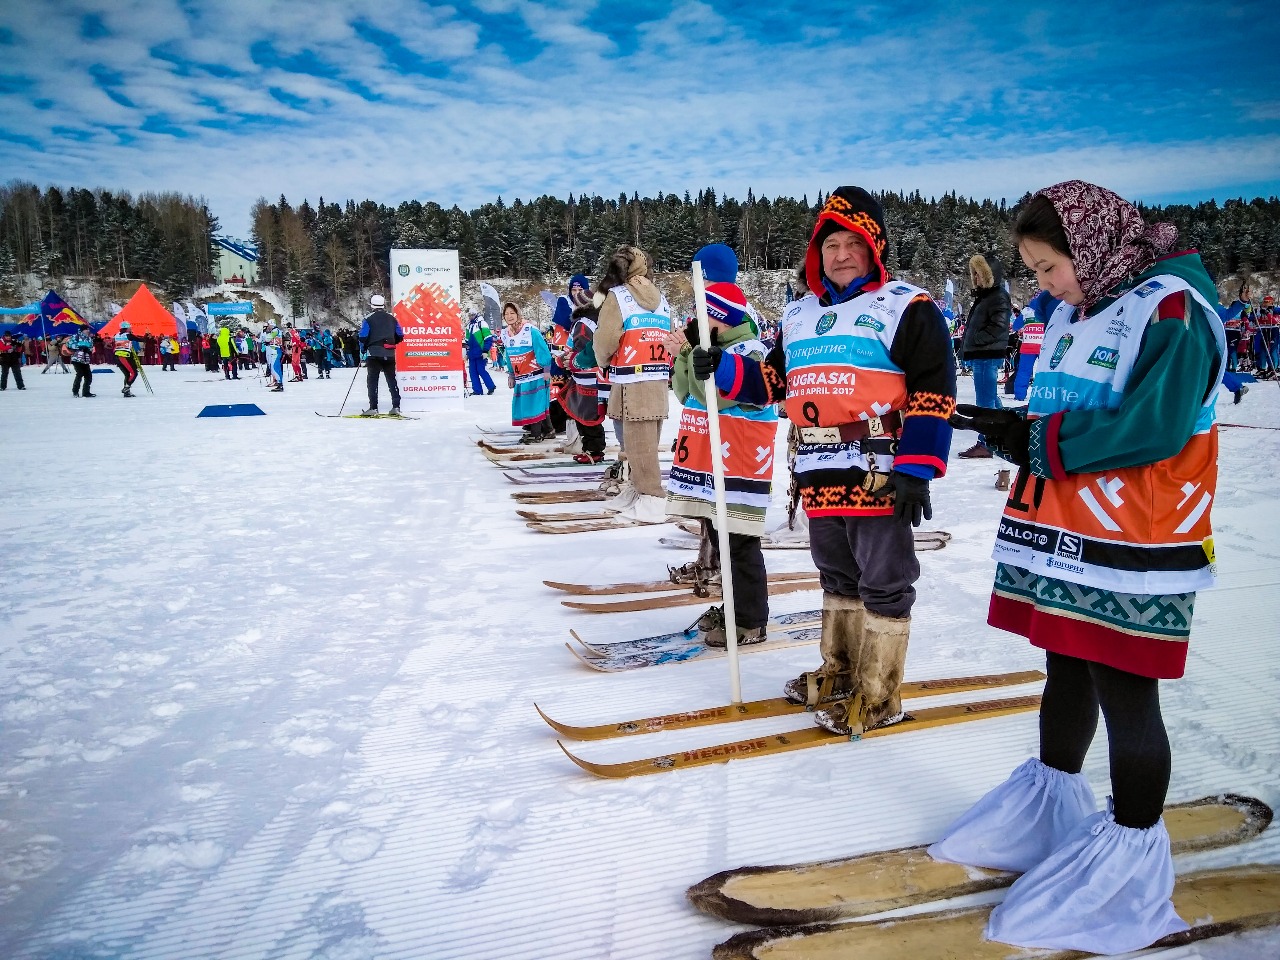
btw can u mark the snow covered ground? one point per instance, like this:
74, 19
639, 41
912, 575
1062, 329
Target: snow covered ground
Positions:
267, 685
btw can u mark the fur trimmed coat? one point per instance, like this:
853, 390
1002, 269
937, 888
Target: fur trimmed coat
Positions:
630, 401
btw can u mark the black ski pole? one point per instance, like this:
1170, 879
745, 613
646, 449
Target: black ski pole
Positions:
353, 383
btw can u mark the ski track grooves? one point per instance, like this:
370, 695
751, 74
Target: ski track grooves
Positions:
313, 736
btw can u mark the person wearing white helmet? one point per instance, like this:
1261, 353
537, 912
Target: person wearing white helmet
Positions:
126, 357
379, 334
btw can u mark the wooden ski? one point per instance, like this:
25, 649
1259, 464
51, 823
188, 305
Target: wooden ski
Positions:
774, 707
586, 526
1214, 902
665, 600
803, 739
652, 586
870, 883
589, 495
925, 540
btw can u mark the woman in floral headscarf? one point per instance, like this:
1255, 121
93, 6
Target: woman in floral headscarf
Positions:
1104, 540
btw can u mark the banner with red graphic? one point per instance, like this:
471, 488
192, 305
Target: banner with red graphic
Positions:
426, 292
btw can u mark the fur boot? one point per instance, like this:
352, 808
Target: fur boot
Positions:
842, 620
876, 665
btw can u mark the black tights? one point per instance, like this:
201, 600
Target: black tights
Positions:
1136, 737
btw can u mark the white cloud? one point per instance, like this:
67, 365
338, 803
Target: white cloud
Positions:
701, 101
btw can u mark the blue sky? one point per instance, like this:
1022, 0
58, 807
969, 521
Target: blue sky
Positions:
398, 100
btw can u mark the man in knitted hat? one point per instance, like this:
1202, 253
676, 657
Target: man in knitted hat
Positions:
865, 368
747, 433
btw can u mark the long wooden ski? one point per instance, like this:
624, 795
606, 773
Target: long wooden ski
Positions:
925, 540
652, 586
663, 601
1214, 902
586, 526
803, 739
778, 623
774, 707
859, 886
588, 495
533, 516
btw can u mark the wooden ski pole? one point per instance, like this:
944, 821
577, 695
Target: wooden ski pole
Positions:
717, 473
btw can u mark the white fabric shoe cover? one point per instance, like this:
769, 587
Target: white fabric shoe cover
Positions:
624, 498
645, 509
1106, 890
1019, 823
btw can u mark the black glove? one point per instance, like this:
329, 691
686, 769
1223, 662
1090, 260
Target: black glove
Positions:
691, 332
910, 498
705, 362
1006, 432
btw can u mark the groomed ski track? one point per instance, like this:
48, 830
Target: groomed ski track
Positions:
298, 721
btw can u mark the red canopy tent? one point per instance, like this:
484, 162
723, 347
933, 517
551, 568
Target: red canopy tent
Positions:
145, 315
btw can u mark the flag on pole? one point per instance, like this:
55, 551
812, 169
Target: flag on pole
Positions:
55, 310
492, 307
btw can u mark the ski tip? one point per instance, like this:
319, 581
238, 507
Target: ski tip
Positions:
585, 661
586, 765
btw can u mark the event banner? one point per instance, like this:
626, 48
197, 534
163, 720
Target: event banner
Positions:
426, 288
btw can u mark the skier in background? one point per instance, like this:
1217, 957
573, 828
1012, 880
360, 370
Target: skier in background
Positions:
11, 361
479, 343
379, 334
227, 354
528, 358
324, 360
126, 358
81, 344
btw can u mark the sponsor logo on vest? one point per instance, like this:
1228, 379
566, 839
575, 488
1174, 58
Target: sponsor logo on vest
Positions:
1104, 357
1060, 351
866, 320
825, 323
1148, 288
900, 290
1069, 546
1026, 535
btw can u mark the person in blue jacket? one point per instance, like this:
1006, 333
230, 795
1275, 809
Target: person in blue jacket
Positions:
479, 342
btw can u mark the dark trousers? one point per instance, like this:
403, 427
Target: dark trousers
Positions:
168, 361
323, 366
8, 362
481, 382
230, 369
84, 374
129, 367
592, 438
382, 367
749, 578
559, 420
1136, 737
869, 557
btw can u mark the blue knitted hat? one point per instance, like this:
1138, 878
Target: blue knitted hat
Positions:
719, 263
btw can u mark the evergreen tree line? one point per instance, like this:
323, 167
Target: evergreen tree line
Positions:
319, 254
165, 239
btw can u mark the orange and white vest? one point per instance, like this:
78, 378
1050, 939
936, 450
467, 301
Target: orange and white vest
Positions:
1140, 530
839, 371
521, 354
122, 343
746, 445
642, 352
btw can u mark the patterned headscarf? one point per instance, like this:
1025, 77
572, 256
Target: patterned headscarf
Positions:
1109, 240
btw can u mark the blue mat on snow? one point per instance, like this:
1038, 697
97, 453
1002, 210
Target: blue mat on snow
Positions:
105, 370
231, 410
